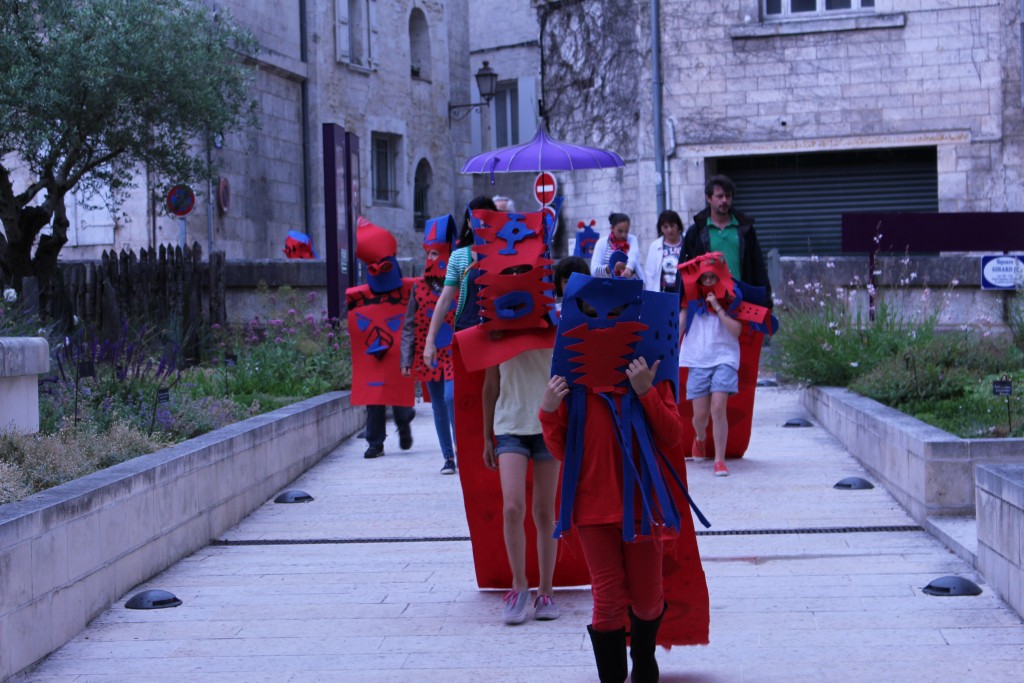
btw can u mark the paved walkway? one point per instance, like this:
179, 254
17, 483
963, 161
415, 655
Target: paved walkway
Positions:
791, 605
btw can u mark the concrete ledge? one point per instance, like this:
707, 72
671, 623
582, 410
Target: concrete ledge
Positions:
1001, 530
929, 471
69, 552
23, 356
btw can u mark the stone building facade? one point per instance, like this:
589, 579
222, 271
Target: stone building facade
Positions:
877, 105
384, 70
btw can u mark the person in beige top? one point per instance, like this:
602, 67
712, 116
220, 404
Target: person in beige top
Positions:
512, 438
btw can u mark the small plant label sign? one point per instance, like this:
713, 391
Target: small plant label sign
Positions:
1002, 387
163, 395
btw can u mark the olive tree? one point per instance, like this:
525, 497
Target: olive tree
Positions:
90, 90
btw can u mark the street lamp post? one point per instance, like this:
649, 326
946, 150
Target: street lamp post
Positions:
487, 84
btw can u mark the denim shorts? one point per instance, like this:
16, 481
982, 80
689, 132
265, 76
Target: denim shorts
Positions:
530, 445
701, 382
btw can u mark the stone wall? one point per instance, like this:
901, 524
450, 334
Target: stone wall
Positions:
927, 73
69, 552
1001, 530
930, 472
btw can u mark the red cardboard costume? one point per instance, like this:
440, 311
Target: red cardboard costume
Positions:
438, 236
519, 306
623, 459
743, 302
376, 312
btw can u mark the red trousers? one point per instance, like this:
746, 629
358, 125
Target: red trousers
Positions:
622, 575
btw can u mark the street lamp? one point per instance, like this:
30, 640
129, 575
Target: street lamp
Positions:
487, 84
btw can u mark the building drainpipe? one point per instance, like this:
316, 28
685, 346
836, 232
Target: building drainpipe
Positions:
659, 146
307, 190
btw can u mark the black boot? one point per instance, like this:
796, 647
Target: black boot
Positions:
610, 653
641, 648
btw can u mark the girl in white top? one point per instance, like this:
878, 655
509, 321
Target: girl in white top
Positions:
663, 256
711, 350
618, 239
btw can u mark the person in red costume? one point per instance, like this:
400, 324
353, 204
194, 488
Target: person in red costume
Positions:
725, 322
438, 377
376, 312
611, 416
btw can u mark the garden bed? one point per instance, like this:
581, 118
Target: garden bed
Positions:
929, 471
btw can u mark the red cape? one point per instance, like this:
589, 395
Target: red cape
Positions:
739, 409
481, 491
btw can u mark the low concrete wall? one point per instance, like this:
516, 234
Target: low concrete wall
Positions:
69, 552
22, 359
1001, 530
929, 471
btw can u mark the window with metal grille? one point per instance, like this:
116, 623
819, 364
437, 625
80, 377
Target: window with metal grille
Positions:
801, 9
385, 158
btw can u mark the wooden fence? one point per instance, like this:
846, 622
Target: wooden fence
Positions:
166, 287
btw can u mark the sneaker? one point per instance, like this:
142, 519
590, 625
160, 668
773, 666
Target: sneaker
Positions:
448, 467
721, 470
405, 440
374, 452
515, 607
545, 609
698, 452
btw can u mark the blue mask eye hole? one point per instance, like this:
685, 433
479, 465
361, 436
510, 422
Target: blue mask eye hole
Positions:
586, 308
616, 312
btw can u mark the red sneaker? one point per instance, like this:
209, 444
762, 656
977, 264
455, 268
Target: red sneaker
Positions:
698, 450
721, 470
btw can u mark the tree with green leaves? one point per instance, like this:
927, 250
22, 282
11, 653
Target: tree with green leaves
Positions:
90, 90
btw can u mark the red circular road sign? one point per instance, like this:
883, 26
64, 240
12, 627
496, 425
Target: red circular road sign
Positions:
181, 200
544, 188
550, 211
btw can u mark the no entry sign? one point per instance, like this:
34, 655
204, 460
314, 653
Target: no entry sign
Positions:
544, 188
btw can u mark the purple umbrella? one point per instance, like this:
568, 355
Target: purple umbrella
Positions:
542, 153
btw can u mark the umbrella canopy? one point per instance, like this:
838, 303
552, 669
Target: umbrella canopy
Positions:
542, 153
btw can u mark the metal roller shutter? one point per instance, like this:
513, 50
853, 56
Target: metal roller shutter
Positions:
798, 200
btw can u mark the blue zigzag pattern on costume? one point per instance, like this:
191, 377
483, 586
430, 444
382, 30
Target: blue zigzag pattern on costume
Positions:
576, 402
656, 502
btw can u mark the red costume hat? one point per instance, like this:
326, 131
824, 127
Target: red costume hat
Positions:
438, 234
692, 271
376, 247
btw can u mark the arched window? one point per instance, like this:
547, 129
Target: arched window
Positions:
419, 45
421, 193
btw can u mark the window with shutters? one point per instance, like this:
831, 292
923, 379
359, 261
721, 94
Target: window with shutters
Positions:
506, 114
354, 32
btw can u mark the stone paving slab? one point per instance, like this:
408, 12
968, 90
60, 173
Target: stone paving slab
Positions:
389, 593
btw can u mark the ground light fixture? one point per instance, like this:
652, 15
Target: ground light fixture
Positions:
152, 599
294, 496
797, 422
946, 586
853, 484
